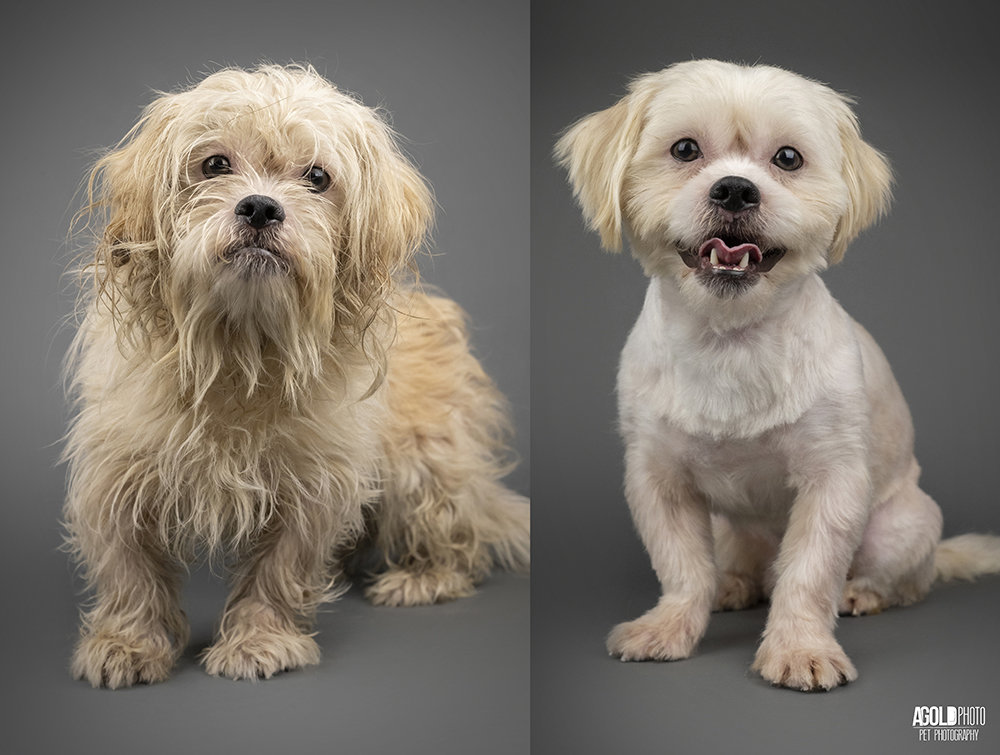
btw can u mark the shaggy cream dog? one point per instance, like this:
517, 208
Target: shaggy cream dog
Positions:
769, 452
253, 384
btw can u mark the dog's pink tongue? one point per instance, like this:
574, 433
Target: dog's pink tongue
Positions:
730, 255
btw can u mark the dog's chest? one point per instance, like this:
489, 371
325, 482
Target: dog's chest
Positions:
215, 476
736, 389
741, 478
740, 383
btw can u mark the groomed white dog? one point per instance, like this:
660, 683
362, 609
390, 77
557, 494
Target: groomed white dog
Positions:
253, 375
769, 451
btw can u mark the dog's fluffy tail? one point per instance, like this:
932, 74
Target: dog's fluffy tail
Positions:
967, 557
504, 523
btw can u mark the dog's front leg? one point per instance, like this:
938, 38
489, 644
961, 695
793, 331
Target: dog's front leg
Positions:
673, 522
825, 525
135, 630
266, 624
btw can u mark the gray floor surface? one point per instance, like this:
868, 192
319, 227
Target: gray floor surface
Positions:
451, 678
939, 652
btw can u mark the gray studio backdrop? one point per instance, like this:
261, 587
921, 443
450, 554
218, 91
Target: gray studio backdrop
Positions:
922, 282
455, 77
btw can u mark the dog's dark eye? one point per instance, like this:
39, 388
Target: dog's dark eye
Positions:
318, 178
216, 165
686, 150
787, 158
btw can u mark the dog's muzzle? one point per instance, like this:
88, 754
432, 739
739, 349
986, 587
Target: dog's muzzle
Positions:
733, 257
256, 253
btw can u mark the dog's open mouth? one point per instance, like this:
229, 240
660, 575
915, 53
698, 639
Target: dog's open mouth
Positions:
730, 262
253, 261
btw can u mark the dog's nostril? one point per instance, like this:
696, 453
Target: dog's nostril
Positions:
259, 211
734, 194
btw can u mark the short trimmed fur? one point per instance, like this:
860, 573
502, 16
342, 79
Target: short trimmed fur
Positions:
768, 448
246, 393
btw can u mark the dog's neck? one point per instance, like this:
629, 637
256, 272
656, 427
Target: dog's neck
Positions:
723, 319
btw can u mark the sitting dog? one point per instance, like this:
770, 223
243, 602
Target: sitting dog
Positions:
769, 451
258, 382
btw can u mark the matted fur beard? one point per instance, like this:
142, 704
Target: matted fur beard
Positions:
267, 323
250, 377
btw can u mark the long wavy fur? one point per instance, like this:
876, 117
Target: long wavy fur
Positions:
245, 413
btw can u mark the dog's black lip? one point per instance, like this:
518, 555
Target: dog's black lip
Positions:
770, 259
769, 256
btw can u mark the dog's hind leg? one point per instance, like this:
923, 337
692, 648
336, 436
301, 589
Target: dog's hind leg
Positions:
894, 566
743, 556
445, 519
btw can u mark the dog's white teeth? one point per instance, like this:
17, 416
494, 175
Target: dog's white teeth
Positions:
745, 261
714, 258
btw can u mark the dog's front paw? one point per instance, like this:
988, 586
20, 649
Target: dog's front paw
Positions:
399, 587
859, 599
806, 669
258, 653
665, 633
116, 659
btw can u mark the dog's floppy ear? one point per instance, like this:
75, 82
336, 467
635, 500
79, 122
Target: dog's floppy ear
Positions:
127, 191
869, 181
388, 207
596, 152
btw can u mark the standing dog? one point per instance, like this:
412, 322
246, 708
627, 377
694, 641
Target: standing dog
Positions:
769, 451
250, 377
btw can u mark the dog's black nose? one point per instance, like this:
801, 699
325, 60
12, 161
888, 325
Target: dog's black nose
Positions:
260, 211
734, 194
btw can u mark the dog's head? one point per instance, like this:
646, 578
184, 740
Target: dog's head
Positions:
264, 208
732, 180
